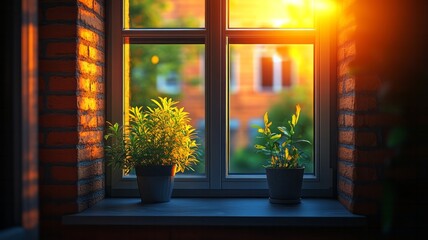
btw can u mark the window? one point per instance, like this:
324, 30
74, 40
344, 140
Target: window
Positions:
227, 62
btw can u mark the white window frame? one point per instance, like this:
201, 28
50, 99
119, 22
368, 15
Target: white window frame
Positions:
216, 37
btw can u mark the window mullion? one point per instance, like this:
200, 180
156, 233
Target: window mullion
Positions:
215, 93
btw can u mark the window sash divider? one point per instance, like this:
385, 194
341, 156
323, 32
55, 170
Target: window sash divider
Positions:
164, 40
165, 33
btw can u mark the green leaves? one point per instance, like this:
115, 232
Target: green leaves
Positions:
281, 148
155, 136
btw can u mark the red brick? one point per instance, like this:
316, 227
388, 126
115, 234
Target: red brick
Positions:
30, 217
59, 49
340, 87
349, 85
90, 103
87, 171
62, 138
343, 68
346, 187
90, 69
345, 202
347, 137
89, 36
87, 103
58, 120
63, 173
349, 120
367, 139
90, 137
82, 50
100, 104
90, 202
84, 154
347, 103
100, 121
90, 19
58, 192
357, 173
88, 121
61, 13
346, 154
341, 120
59, 83
87, 3
346, 170
96, 55
62, 102
97, 152
57, 66
98, 8
58, 31
91, 187
340, 54
58, 155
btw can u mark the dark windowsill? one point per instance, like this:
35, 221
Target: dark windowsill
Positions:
315, 212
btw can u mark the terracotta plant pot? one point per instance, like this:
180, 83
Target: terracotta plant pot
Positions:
285, 185
155, 183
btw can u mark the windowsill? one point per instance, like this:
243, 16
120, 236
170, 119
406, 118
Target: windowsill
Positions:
315, 212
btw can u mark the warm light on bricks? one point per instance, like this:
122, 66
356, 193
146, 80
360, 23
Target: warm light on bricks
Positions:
89, 68
87, 35
87, 103
88, 85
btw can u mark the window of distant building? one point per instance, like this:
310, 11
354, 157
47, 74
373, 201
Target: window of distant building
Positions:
227, 62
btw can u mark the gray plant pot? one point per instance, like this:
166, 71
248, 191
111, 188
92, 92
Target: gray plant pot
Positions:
155, 183
285, 185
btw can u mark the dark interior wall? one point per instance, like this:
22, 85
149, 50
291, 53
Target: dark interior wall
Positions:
387, 92
9, 122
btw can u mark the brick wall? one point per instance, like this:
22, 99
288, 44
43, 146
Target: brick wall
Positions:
382, 62
361, 154
71, 108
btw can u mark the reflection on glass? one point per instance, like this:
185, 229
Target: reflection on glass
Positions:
271, 14
168, 70
164, 14
279, 77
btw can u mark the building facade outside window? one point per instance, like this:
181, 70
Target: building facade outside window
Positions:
227, 62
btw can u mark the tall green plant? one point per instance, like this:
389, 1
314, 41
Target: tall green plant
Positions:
155, 136
281, 148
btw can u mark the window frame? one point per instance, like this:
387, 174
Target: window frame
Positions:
216, 37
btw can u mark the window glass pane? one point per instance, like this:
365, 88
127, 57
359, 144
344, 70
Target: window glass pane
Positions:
168, 70
271, 14
279, 77
164, 14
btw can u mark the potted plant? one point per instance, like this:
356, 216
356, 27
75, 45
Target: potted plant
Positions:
157, 142
284, 173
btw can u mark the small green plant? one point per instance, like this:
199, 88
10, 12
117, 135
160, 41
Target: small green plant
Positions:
154, 136
281, 148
